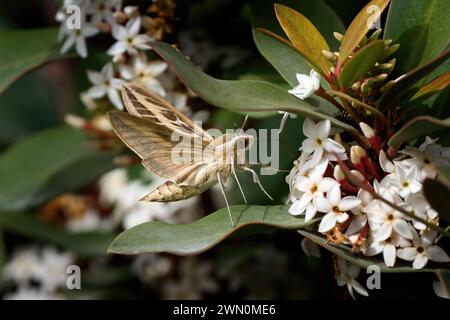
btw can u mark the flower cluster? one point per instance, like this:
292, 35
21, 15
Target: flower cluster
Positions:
46, 267
390, 216
132, 34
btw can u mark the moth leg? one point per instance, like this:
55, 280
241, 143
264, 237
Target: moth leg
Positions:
237, 180
256, 180
222, 189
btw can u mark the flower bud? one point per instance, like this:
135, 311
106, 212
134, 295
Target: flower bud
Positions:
74, 121
338, 36
371, 136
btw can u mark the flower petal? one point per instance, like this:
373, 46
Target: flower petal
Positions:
407, 254
309, 128
328, 222
420, 261
349, 203
437, 254
389, 255
403, 228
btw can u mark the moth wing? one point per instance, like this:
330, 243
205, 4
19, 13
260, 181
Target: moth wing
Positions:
152, 142
146, 104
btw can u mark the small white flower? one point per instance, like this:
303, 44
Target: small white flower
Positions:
54, 265
145, 73
307, 85
419, 206
317, 141
426, 158
24, 265
78, 37
423, 250
311, 187
388, 247
102, 10
105, 84
359, 219
346, 276
383, 219
407, 180
128, 39
335, 206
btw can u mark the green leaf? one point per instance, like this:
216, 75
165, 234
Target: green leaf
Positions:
421, 28
400, 89
90, 243
437, 195
305, 38
434, 86
284, 58
418, 127
47, 164
363, 60
359, 28
23, 50
201, 235
243, 95
346, 253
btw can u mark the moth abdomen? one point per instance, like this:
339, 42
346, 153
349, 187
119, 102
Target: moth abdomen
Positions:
170, 191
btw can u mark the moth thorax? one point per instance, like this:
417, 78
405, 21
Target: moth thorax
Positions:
234, 146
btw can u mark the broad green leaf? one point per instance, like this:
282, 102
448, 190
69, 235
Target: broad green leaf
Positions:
90, 243
363, 60
305, 38
400, 89
418, 127
47, 164
201, 235
421, 28
437, 195
362, 261
23, 50
243, 95
434, 86
285, 59
359, 27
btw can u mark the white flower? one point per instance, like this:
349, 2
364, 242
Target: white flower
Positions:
388, 247
105, 84
346, 275
102, 10
407, 180
128, 39
419, 206
423, 250
23, 266
311, 187
90, 221
307, 85
145, 73
383, 220
335, 206
317, 140
359, 219
78, 37
54, 265
426, 157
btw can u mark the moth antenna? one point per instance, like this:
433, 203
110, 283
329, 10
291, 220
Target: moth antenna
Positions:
245, 121
222, 189
257, 181
237, 180
285, 147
